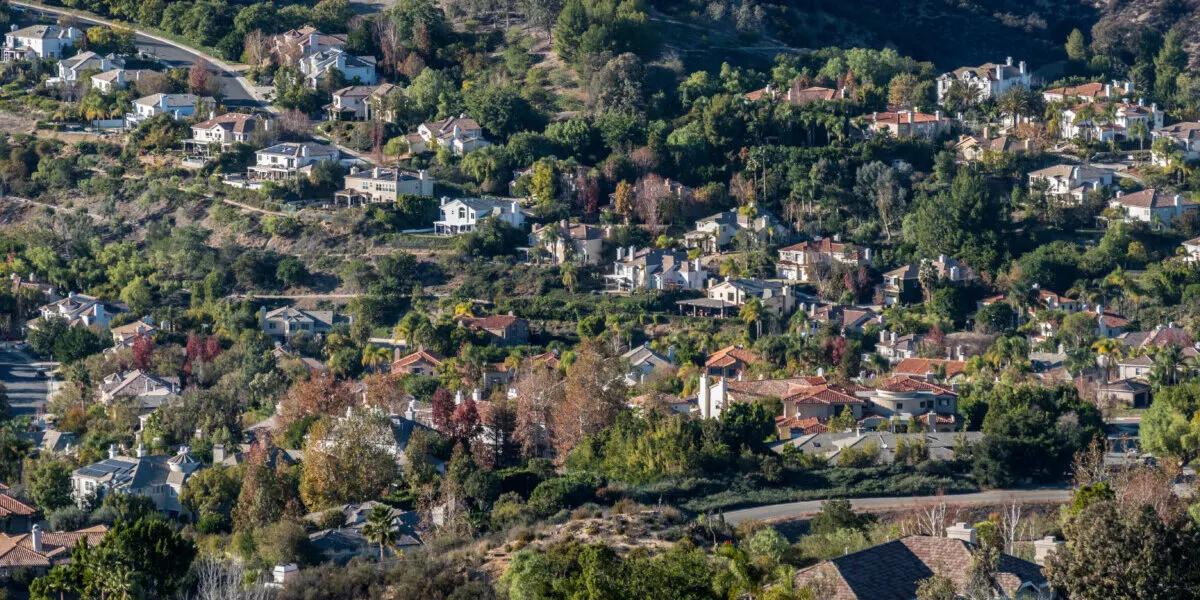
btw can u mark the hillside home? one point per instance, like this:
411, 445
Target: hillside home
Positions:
902, 398
565, 241
147, 390
643, 362
175, 106
893, 570
990, 80
1070, 183
972, 148
1089, 92
731, 362
806, 400
846, 319
288, 321
1128, 393
292, 45
1105, 121
504, 330
70, 70
655, 269
902, 285
117, 79
357, 69
382, 184
1153, 206
715, 232
36, 552
76, 309
943, 369
727, 297
798, 93
39, 41
1191, 250
221, 132
1184, 136
897, 348
160, 478
125, 335
463, 215
909, 123
288, 160
461, 134
421, 362
811, 261
15, 516
829, 445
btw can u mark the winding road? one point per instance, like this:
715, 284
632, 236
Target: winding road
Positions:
802, 510
237, 90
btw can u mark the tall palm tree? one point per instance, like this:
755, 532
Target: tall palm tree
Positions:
380, 527
375, 356
1107, 350
752, 312
570, 275
1166, 365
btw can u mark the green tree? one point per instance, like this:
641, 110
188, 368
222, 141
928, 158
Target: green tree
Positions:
838, 514
1171, 427
1076, 47
380, 528
50, 486
211, 495
568, 28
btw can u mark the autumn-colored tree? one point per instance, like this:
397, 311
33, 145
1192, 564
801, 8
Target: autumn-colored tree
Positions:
465, 422
443, 409
199, 79
383, 391
539, 390
593, 395
316, 396
348, 460
501, 420
143, 351
623, 200
266, 490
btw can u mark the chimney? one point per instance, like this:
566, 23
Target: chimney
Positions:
999, 72
960, 531
1021, 67
987, 132
620, 253
1043, 548
218, 452
475, 396
458, 398
874, 115
35, 538
1178, 200
1108, 90
112, 450
702, 397
312, 40
141, 450
937, 114
1008, 61
910, 116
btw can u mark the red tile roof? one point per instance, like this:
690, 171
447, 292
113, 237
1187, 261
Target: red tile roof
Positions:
17, 550
491, 322
923, 366
420, 355
10, 506
731, 355
908, 383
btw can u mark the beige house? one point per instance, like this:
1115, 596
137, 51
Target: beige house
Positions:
909, 123
808, 261
1153, 206
460, 134
565, 241
1070, 183
381, 184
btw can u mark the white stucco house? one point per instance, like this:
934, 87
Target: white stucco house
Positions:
1153, 206
1185, 136
39, 41
1070, 182
655, 269
221, 132
358, 69
70, 70
288, 160
176, 106
381, 184
462, 215
1105, 121
990, 79
461, 134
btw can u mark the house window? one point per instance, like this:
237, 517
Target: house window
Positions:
899, 406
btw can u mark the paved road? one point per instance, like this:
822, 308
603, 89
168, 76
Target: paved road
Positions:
28, 386
236, 89
801, 510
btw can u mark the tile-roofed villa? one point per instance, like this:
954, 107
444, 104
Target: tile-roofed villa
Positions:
39, 550
730, 361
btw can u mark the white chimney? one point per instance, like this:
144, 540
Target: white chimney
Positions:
702, 397
1021, 67
141, 450
1008, 61
475, 396
1178, 200
35, 538
218, 452
999, 72
458, 398
961, 531
112, 450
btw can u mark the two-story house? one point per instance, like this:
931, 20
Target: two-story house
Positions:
382, 184
729, 296
117, 79
505, 330
1070, 183
176, 106
76, 309
904, 397
731, 362
1089, 92
565, 241
357, 69
460, 134
289, 160
1107, 121
148, 390
655, 269
221, 132
160, 478
1183, 136
350, 103
809, 261
909, 123
421, 362
716, 232
70, 70
989, 80
1153, 206
462, 215
293, 45
39, 41
902, 285
288, 321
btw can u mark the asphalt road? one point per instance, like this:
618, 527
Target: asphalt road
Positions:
28, 386
172, 54
801, 510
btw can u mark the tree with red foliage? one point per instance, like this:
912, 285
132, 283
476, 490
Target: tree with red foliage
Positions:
212, 348
465, 422
143, 351
199, 79
192, 351
443, 409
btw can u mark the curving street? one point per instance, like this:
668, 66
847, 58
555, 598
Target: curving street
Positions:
802, 510
26, 382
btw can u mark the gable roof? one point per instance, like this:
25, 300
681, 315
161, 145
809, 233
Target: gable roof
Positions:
491, 322
17, 550
1153, 198
892, 571
909, 383
923, 366
10, 506
731, 355
421, 355
235, 122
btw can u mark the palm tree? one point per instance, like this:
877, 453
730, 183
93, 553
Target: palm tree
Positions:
1107, 350
1139, 130
374, 356
1166, 365
570, 275
960, 96
380, 527
751, 312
